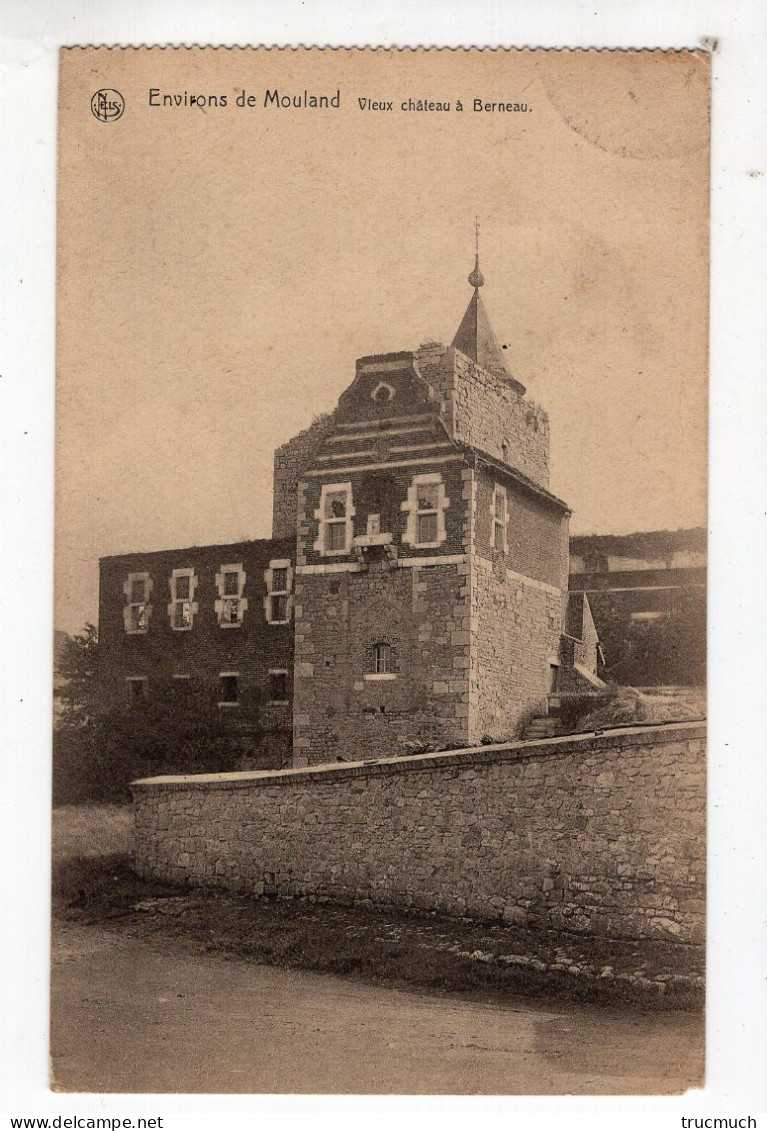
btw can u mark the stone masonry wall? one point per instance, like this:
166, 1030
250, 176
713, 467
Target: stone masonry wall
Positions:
339, 706
601, 835
516, 605
482, 410
289, 462
518, 625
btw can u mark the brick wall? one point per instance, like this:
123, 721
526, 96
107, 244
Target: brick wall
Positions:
252, 649
600, 835
398, 482
536, 536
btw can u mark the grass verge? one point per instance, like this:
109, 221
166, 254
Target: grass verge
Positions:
384, 946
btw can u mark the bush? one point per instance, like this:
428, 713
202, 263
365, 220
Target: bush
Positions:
629, 707
575, 708
96, 759
101, 744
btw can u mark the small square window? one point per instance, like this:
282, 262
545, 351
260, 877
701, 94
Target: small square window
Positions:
428, 496
335, 505
136, 688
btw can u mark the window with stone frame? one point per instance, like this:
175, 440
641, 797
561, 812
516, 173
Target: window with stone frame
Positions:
182, 606
278, 685
335, 514
381, 659
499, 519
278, 603
425, 507
137, 611
231, 604
427, 499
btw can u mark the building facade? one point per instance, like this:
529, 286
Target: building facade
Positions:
415, 590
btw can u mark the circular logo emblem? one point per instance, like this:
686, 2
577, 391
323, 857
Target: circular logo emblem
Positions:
107, 105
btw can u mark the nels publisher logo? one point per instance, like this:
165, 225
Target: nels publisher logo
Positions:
107, 105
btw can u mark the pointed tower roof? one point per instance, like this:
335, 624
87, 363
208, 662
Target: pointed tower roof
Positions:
475, 337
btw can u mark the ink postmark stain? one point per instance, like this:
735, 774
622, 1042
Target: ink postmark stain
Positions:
107, 105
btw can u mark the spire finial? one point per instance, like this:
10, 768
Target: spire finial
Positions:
476, 278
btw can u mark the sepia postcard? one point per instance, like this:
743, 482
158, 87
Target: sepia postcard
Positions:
379, 760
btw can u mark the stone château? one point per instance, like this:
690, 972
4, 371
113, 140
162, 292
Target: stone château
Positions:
414, 590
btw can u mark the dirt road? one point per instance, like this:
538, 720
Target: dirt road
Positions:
130, 1017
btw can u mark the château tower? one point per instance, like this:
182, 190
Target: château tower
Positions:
431, 558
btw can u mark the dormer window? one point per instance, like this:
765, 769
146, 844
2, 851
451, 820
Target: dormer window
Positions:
425, 506
335, 516
183, 606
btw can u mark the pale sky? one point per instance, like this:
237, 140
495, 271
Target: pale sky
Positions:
221, 270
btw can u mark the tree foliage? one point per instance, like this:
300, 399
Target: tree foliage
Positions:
669, 650
78, 664
101, 743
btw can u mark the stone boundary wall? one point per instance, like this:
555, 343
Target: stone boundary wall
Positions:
599, 834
